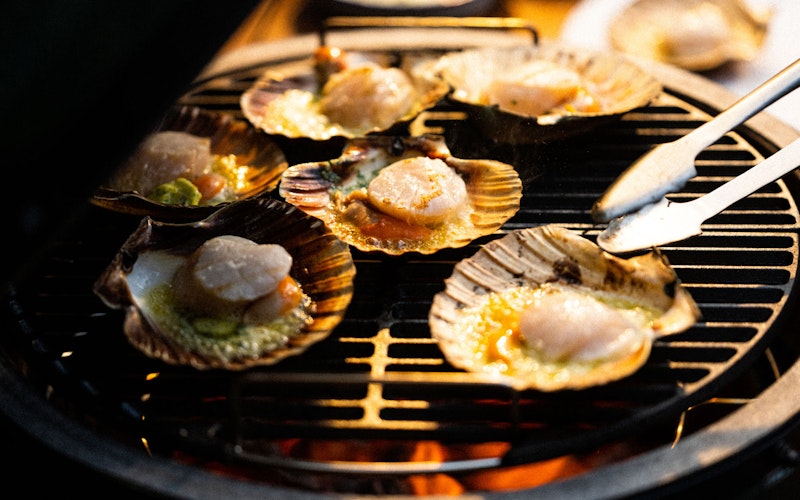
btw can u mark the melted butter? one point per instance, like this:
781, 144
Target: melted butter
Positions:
492, 329
426, 238
296, 113
497, 324
226, 337
236, 175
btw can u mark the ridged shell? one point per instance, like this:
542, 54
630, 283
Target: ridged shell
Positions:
618, 84
322, 265
697, 35
306, 120
552, 254
494, 190
228, 136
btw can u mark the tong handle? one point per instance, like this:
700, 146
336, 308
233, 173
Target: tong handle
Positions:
765, 94
425, 22
771, 169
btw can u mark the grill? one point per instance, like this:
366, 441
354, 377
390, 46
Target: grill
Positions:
378, 390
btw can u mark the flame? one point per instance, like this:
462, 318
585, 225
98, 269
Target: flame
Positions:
526, 476
498, 479
435, 484
504, 479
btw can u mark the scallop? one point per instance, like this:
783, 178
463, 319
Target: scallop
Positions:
544, 308
342, 94
542, 93
252, 284
396, 194
698, 35
195, 162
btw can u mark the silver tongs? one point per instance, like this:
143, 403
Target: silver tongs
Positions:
634, 205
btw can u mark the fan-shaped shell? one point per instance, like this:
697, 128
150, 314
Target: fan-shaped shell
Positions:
531, 258
493, 192
697, 35
322, 265
615, 85
287, 101
258, 157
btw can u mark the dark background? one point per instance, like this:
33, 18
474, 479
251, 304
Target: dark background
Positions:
81, 83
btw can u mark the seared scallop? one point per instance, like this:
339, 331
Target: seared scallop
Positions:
697, 35
420, 190
404, 194
252, 284
195, 162
532, 94
342, 94
367, 97
544, 308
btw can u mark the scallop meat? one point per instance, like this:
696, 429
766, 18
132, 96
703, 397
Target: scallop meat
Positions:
544, 308
697, 35
342, 94
252, 284
396, 194
541, 93
195, 162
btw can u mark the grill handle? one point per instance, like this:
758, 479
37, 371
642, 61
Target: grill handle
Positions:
507, 23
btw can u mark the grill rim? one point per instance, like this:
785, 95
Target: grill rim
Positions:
115, 460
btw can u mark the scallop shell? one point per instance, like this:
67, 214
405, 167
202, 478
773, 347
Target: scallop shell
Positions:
618, 85
322, 265
494, 190
305, 119
697, 35
550, 254
228, 135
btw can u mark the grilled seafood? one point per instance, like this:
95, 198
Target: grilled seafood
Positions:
341, 94
420, 190
367, 96
529, 94
697, 35
252, 284
233, 277
539, 88
544, 308
404, 194
195, 162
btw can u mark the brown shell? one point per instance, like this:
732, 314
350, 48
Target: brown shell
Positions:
494, 190
322, 264
651, 28
534, 256
619, 85
228, 136
308, 76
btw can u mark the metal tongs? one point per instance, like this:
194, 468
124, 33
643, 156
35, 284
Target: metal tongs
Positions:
640, 217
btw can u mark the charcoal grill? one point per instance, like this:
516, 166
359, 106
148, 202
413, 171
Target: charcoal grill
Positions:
352, 414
